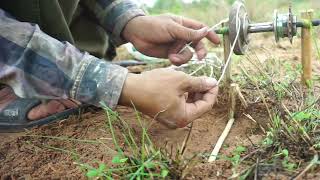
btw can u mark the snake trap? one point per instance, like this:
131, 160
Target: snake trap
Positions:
283, 26
236, 38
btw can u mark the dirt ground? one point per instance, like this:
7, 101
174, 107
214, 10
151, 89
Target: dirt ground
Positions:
30, 155
35, 157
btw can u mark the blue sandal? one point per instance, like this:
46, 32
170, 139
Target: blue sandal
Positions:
13, 118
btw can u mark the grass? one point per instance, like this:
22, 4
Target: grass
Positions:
211, 12
141, 162
141, 159
291, 143
291, 140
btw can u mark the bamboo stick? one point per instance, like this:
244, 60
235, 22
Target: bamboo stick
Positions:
227, 49
306, 49
226, 131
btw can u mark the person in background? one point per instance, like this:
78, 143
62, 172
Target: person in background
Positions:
52, 62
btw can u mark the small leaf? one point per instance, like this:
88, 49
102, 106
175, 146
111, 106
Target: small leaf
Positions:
267, 141
241, 149
302, 116
236, 157
164, 173
102, 167
150, 165
123, 160
118, 160
289, 166
92, 173
285, 152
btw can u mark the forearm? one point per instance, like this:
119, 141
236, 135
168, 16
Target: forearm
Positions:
38, 66
113, 15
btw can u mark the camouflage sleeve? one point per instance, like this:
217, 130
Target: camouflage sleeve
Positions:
113, 15
38, 66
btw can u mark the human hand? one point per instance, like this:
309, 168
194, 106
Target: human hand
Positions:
164, 36
173, 98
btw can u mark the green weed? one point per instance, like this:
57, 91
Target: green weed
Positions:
143, 161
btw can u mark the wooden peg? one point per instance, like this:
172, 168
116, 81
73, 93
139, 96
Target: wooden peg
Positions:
306, 49
227, 49
226, 131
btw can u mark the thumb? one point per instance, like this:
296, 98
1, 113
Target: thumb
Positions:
183, 33
199, 84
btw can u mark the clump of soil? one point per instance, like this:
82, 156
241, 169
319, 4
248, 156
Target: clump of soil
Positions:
31, 155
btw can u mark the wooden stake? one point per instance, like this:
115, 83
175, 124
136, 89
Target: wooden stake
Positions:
227, 48
306, 49
226, 131
233, 92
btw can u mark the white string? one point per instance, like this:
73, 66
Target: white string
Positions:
198, 69
210, 29
214, 153
238, 22
216, 25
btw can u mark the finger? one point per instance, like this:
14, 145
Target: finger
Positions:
198, 108
182, 58
45, 110
75, 101
213, 37
198, 84
177, 46
190, 23
68, 103
187, 34
200, 49
155, 50
177, 57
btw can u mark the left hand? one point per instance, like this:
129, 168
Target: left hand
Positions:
171, 97
164, 36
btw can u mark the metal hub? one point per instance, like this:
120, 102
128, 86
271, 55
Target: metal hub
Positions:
284, 25
239, 12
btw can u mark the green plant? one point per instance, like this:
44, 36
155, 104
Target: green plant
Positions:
284, 154
235, 159
142, 162
293, 113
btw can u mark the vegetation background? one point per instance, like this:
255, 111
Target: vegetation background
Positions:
212, 11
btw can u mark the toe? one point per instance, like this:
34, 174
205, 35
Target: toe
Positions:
46, 109
69, 104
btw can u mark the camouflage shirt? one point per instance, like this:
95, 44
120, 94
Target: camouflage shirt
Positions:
37, 65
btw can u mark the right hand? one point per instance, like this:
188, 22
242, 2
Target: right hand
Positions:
173, 98
164, 36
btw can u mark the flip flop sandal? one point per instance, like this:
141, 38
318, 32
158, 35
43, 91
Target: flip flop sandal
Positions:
13, 118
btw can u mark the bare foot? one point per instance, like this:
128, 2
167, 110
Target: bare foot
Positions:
41, 111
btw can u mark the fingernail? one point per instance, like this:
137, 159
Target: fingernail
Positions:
174, 59
203, 30
211, 82
202, 54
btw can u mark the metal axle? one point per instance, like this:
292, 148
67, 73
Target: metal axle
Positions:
268, 26
283, 25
